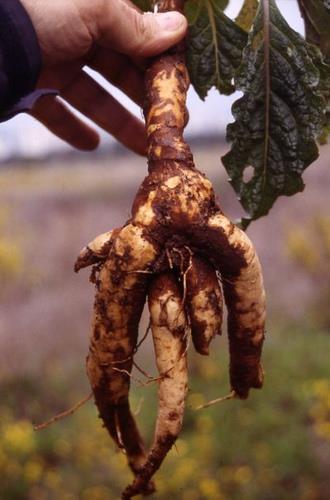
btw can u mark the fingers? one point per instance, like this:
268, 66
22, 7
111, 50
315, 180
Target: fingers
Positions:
92, 100
120, 71
121, 27
81, 90
57, 117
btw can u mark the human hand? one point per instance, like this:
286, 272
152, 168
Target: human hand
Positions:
113, 38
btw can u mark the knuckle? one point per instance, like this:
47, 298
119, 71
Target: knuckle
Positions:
144, 31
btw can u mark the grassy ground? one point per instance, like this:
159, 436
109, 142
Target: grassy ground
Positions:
276, 445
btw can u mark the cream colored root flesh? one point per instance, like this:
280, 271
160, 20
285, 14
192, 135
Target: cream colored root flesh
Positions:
169, 328
169, 332
95, 251
120, 282
248, 285
119, 300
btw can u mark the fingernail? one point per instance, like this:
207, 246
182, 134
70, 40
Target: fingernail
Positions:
170, 21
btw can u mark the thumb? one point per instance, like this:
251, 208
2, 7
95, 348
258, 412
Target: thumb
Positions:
121, 27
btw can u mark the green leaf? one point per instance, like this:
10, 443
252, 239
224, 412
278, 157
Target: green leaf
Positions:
214, 46
278, 117
144, 5
323, 87
316, 15
247, 14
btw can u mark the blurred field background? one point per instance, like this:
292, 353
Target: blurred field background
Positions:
275, 445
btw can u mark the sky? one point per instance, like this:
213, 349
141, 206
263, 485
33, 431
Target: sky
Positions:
24, 136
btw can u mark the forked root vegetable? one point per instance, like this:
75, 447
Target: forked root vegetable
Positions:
118, 306
169, 331
176, 229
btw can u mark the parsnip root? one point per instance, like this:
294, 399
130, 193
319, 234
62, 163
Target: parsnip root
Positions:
169, 331
175, 245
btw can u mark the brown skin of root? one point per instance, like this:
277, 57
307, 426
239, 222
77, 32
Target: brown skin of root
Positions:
119, 300
176, 203
245, 299
204, 304
169, 329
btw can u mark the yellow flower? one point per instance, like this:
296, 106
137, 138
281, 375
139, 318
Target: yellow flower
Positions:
322, 429
11, 259
321, 387
18, 437
302, 250
243, 474
210, 489
96, 493
32, 472
320, 409
185, 471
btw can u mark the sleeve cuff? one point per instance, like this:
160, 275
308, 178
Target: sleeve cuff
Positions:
26, 103
20, 51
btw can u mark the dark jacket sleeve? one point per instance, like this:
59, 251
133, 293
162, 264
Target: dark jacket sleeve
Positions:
20, 55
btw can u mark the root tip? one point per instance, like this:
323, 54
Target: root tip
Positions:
204, 351
232, 395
